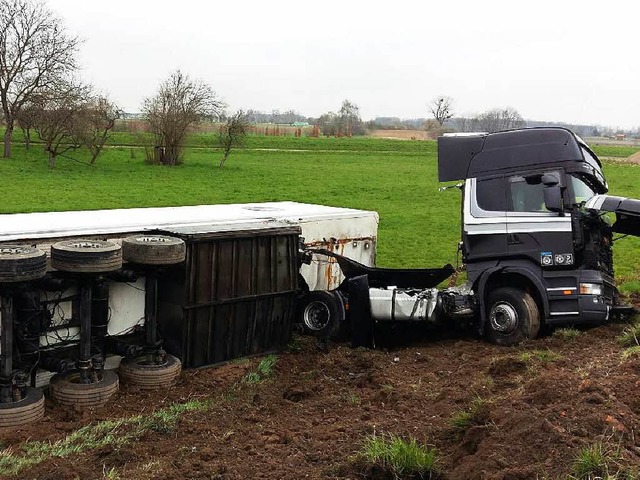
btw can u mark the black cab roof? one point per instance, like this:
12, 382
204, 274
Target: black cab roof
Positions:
476, 155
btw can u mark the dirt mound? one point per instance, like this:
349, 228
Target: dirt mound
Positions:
541, 403
635, 158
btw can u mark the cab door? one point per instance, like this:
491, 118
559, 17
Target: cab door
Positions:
533, 232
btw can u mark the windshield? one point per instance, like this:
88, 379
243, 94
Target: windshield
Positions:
597, 171
581, 190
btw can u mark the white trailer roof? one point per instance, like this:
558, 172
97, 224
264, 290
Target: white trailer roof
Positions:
25, 226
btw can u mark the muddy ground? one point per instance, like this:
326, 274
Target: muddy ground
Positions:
309, 418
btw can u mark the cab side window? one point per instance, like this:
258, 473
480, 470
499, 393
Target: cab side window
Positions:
526, 194
490, 194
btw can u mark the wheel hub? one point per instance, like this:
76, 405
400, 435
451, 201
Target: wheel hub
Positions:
503, 318
85, 244
316, 316
14, 250
160, 240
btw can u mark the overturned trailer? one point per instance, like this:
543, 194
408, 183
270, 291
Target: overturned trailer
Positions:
150, 290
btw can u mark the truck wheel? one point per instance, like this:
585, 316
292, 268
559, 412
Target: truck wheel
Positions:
20, 263
66, 389
86, 256
153, 250
29, 409
144, 373
512, 316
320, 313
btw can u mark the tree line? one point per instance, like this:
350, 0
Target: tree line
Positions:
41, 93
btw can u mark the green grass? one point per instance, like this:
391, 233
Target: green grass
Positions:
111, 474
401, 458
567, 333
209, 140
114, 433
419, 226
591, 461
474, 414
630, 336
621, 151
264, 370
540, 355
631, 352
601, 461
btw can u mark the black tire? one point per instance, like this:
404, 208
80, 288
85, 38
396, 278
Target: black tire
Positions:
86, 256
321, 313
29, 409
65, 390
512, 316
154, 250
20, 263
145, 374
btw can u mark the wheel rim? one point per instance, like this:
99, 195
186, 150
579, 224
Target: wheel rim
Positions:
86, 244
316, 316
15, 250
154, 240
149, 361
76, 378
503, 318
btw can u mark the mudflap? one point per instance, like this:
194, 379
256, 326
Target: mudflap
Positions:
360, 312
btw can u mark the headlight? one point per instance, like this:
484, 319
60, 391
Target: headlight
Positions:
590, 289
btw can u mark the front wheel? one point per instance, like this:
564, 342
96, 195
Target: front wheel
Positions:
320, 313
512, 316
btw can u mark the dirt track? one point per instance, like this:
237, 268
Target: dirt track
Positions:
310, 418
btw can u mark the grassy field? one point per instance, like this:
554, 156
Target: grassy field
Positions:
419, 226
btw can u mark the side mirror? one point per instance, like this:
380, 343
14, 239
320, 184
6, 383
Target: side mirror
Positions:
553, 198
553, 192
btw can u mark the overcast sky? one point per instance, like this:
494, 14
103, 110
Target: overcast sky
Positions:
551, 60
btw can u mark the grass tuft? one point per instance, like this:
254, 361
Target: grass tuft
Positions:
600, 461
631, 352
592, 462
630, 336
568, 333
111, 474
540, 355
263, 371
474, 414
401, 458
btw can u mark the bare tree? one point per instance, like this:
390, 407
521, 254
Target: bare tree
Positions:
329, 123
26, 118
442, 109
498, 119
60, 119
350, 121
99, 118
232, 133
35, 50
179, 104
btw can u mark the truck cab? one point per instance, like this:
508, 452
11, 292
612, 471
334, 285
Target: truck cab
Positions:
535, 239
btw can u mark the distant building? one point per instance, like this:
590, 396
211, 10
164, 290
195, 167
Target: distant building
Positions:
300, 124
620, 136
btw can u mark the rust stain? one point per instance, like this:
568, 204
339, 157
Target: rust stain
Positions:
331, 272
333, 242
